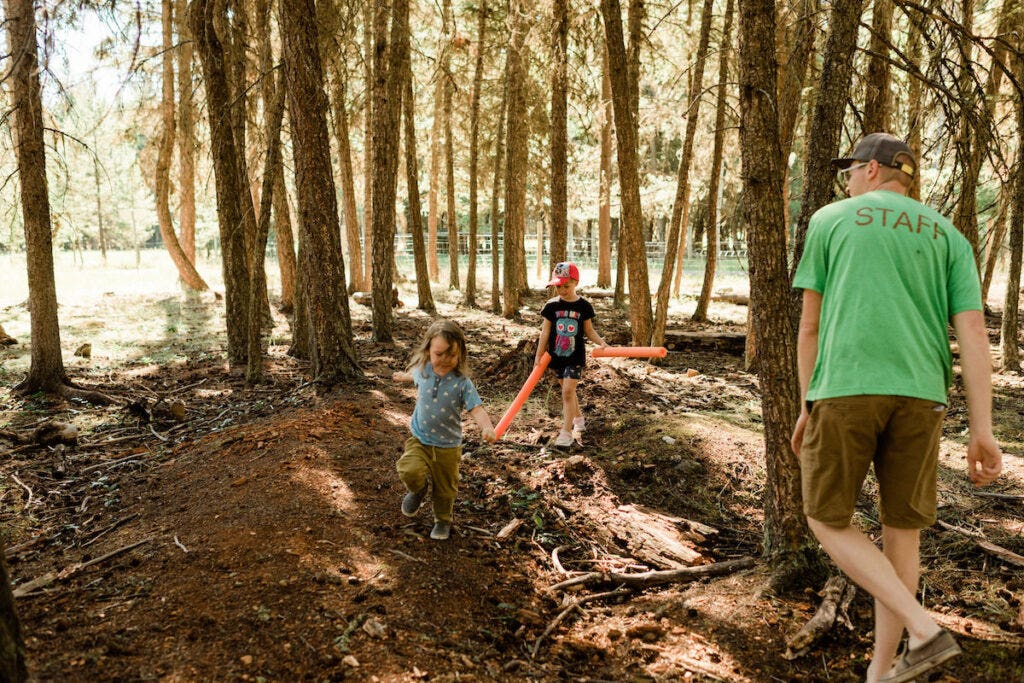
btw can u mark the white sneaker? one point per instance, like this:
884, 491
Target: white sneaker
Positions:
564, 439
578, 424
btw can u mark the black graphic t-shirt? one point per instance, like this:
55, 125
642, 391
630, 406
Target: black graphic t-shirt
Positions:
567, 343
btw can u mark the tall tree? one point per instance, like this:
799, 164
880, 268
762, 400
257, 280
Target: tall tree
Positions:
368, 126
412, 181
877, 84
273, 114
965, 216
683, 177
604, 215
701, 311
186, 269
786, 535
493, 213
451, 220
915, 106
517, 148
559, 131
474, 153
12, 645
1011, 321
389, 77
186, 135
357, 280
434, 169
229, 184
632, 222
332, 352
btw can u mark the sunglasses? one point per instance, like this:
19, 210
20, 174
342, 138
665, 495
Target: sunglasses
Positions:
844, 172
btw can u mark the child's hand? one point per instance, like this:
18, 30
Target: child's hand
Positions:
490, 436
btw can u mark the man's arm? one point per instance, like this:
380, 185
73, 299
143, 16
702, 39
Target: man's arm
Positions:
483, 420
806, 357
984, 457
542, 343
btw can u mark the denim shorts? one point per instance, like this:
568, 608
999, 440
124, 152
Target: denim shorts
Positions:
568, 372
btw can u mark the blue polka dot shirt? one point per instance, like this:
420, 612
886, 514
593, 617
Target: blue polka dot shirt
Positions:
437, 418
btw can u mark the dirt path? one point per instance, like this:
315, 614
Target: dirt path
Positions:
275, 549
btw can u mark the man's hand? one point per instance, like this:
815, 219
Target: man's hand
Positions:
984, 460
798, 431
489, 435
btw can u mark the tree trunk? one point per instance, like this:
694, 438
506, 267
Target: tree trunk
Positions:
186, 270
701, 312
186, 136
604, 219
46, 372
435, 175
997, 235
368, 128
499, 161
474, 153
877, 89
12, 645
559, 132
1011, 323
357, 281
786, 533
632, 222
302, 342
389, 77
683, 176
914, 99
332, 353
517, 147
274, 114
965, 218
451, 221
412, 181
229, 185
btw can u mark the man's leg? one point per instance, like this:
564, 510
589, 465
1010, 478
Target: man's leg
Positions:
870, 569
901, 547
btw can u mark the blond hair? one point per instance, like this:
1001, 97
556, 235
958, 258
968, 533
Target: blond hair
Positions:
451, 333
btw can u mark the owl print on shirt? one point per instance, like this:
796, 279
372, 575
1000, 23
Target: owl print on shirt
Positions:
567, 327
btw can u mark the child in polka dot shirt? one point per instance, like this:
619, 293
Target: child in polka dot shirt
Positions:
440, 371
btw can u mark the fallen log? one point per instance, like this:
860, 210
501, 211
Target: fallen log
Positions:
836, 598
686, 340
999, 551
656, 578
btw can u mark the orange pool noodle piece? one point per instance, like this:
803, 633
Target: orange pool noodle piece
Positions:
630, 352
523, 394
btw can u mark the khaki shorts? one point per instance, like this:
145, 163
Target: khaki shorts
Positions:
900, 435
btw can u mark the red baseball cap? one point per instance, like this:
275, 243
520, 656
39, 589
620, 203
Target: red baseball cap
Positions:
562, 272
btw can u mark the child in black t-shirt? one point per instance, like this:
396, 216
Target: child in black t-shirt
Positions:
568, 322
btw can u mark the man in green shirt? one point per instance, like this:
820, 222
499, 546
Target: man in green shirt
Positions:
882, 276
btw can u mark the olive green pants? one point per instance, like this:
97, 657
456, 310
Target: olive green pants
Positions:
421, 464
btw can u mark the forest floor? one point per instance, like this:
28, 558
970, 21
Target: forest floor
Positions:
260, 538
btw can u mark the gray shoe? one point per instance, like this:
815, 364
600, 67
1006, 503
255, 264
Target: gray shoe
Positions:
929, 655
412, 501
441, 530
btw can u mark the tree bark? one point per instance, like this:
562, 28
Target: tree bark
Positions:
412, 181
274, 114
629, 180
914, 99
683, 177
965, 218
517, 148
186, 270
997, 235
368, 128
786, 533
604, 216
228, 183
434, 171
499, 166
389, 77
474, 153
332, 353
186, 136
451, 220
357, 281
877, 84
701, 312
559, 132
1011, 323
46, 372
12, 645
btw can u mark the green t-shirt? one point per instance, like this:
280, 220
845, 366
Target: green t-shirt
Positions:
891, 272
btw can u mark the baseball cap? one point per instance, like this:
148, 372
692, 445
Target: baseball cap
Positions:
564, 271
884, 149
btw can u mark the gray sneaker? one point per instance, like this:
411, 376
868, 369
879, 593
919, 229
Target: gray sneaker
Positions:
412, 501
441, 530
914, 663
